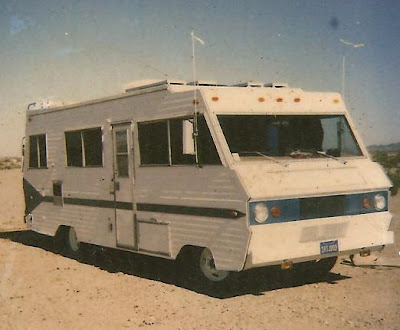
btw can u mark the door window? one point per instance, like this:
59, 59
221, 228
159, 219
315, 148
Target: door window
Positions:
122, 158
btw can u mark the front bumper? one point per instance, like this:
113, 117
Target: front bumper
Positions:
298, 241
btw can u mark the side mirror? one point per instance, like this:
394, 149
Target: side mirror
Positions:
23, 146
187, 137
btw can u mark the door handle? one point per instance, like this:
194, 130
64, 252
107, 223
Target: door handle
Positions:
114, 186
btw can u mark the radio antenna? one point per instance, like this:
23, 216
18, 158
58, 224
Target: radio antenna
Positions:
195, 101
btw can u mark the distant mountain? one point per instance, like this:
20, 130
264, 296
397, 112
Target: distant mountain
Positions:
385, 147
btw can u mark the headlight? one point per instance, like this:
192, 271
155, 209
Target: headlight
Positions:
379, 202
260, 212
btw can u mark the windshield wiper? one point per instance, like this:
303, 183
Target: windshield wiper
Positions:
332, 157
265, 156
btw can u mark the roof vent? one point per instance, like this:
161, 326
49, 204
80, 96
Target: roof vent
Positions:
143, 84
249, 84
204, 83
176, 82
277, 85
43, 104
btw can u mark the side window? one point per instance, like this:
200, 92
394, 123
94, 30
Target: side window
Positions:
207, 151
153, 140
74, 148
93, 147
178, 157
37, 151
84, 148
162, 143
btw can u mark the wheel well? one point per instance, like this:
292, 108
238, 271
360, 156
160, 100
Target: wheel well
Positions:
188, 251
60, 230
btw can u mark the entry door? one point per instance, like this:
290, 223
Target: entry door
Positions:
123, 185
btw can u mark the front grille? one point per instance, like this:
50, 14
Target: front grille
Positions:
305, 208
322, 207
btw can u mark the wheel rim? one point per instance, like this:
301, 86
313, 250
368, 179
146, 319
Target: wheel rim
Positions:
73, 240
207, 266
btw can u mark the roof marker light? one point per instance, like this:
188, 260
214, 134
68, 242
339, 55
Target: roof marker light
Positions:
261, 99
215, 98
336, 101
297, 99
279, 99
196, 101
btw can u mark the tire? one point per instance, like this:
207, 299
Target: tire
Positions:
199, 268
207, 268
66, 242
316, 269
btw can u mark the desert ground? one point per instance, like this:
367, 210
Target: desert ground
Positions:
40, 289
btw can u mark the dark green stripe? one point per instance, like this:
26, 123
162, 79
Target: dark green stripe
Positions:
99, 203
172, 209
190, 210
93, 203
89, 202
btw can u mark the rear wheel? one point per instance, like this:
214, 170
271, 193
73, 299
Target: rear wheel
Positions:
67, 242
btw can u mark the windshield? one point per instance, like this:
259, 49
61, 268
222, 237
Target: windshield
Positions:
299, 136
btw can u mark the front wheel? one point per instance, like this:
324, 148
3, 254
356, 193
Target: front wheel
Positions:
316, 269
208, 269
199, 268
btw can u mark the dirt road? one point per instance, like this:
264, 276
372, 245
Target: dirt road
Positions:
110, 289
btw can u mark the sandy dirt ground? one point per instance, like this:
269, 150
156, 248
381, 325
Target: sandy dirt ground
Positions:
40, 289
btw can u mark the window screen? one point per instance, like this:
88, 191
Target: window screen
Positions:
93, 147
37, 151
153, 140
84, 148
74, 148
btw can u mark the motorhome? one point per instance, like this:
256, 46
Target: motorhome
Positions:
235, 177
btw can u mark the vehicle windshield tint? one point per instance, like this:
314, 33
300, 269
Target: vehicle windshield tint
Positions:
299, 136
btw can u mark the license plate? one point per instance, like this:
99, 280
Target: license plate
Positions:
329, 247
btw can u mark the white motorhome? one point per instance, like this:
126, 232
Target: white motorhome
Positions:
236, 177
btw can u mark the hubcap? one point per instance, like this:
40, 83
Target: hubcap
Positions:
73, 240
207, 266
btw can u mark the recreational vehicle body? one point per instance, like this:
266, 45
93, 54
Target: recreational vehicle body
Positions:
236, 177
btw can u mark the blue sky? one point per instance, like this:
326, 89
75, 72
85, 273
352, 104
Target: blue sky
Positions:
83, 49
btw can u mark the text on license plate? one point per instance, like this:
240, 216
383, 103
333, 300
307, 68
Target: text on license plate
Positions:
329, 247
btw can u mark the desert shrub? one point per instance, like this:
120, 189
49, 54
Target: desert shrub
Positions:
390, 163
8, 163
395, 178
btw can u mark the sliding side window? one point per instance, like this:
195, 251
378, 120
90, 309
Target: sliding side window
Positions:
153, 139
37, 151
84, 148
167, 143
